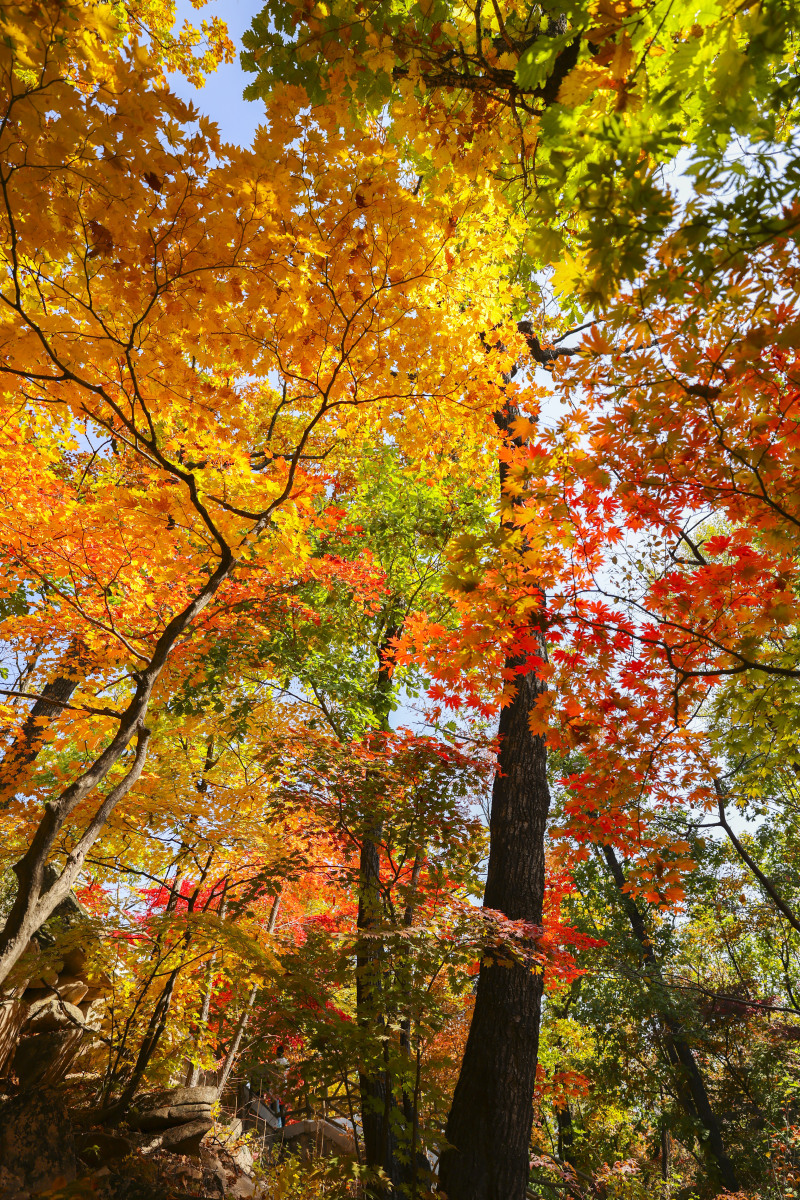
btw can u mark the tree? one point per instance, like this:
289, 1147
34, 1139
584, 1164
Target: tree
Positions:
161, 294
501, 98
715, 971
399, 530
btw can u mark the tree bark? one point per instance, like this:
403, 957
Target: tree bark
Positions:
193, 1074
666, 1156
34, 902
566, 1132
377, 1099
153, 1034
409, 1098
690, 1085
490, 1121
241, 1025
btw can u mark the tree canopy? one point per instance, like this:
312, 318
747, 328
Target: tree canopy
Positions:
400, 560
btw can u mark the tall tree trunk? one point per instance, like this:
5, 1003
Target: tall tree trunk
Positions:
666, 1156
409, 1108
690, 1085
489, 1126
157, 1023
566, 1132
35, 900
193, 1074
155, 1029
490, 1121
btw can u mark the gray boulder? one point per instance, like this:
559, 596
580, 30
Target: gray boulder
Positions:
180, 1139
169, 1115
163, 1110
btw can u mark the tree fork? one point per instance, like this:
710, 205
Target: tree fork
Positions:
35, 900
489, 1126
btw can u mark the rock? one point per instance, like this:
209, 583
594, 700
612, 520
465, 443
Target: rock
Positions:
161, 1110
177, 1096
72, 989
173, 1107
52, 1013
243, 1187
43, 981
36, 1141
215, 1177
186, 1171
44, 1058
96, 1147
164, 1118
180, 1139
76, 961
93, 993
191, 1137
243, 1157
12, 1018
230, 1131
229, 1136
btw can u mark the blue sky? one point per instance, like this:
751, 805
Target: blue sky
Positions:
221, 98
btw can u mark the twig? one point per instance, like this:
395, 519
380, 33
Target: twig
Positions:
100, 712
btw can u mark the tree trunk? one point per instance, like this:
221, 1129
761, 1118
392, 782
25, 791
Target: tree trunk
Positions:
566, 1132
230, 1057
490, 1121
409, 1098
690, 1085
666, 1156
379, 1105
377, 1098
35, 900
193, 1074
155, 1029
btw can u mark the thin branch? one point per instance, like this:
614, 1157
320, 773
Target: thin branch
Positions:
764, 880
